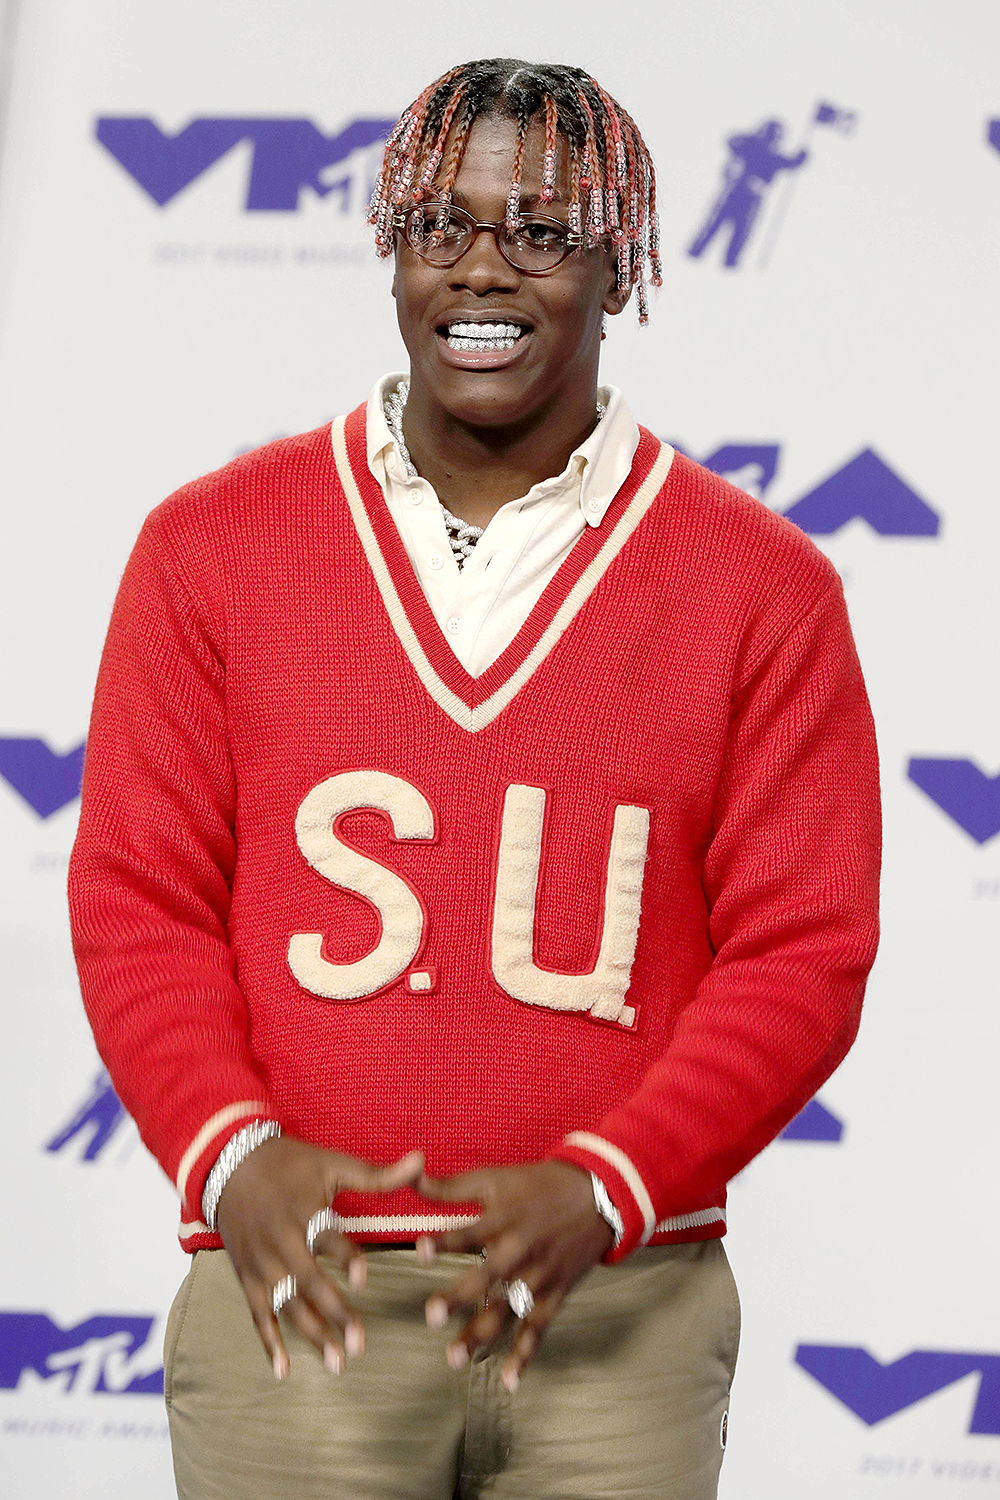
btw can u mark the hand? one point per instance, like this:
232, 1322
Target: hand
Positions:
262, 1217
538, 1225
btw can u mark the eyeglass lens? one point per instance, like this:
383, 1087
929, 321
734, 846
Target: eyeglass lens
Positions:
539, 243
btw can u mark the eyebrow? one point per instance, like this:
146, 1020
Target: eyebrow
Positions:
526, 200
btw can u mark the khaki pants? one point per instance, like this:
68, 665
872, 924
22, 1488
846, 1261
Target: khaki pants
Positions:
626, 1396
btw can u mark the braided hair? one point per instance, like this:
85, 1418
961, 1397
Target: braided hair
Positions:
612, 185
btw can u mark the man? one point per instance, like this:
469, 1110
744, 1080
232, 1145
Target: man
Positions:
477, 787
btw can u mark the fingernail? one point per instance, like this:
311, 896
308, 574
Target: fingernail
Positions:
458, 1356
511, 1380
280, 1364
357, 1273
333, 1359
426, 1250
437, 1313
354, 1340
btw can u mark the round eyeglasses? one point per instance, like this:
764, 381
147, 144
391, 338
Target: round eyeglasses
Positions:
440, 233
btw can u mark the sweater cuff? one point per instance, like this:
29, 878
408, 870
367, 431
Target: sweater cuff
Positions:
203, 1152
625, 1187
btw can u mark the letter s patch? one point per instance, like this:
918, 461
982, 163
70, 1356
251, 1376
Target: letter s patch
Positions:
401, 911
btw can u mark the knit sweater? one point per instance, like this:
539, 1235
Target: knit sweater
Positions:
611, 902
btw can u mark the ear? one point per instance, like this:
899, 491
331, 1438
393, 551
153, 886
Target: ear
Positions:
614, 298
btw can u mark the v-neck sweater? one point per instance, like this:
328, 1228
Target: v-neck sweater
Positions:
613, 901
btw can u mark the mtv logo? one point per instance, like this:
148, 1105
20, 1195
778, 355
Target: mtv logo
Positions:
993, 133
874, 1391
287, 154
95, 1121
969, 797
45, 780
866, 489
814, 1123
107, 1354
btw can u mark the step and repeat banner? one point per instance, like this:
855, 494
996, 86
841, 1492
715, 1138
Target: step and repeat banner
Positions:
185, 273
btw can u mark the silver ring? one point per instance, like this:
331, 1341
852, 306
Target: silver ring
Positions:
321, 1221
519, 1297
284, 1291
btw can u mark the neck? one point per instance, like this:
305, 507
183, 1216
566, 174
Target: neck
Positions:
474, 470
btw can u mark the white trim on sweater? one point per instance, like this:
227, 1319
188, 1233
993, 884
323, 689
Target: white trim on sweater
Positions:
474, 719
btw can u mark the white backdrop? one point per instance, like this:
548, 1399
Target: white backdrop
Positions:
143, 344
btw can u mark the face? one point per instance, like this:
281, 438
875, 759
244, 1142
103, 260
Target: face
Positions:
552, 366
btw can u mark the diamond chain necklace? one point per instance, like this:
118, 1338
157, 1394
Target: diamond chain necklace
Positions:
461, 536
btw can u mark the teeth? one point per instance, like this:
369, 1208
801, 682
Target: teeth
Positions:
508, 333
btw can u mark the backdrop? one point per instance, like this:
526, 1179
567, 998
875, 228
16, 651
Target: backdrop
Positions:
185, 273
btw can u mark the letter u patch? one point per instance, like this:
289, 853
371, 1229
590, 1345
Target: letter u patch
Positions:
602, 991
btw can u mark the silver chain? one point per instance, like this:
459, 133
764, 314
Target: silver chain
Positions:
461, 536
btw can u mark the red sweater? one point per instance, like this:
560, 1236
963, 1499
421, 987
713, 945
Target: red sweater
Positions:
613, 901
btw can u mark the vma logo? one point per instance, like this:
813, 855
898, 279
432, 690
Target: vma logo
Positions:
287, 156
993, 133
45, 780
968, 796
865, 489
874, 1391
107, 1355
95, 1121
756, 162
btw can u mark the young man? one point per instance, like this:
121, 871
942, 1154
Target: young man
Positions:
481, 788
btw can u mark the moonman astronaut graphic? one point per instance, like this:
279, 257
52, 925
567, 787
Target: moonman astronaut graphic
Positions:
754, 164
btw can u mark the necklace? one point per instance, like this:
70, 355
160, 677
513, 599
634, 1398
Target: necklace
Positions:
461, 536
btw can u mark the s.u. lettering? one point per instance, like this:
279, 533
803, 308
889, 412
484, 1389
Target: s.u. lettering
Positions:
600, 992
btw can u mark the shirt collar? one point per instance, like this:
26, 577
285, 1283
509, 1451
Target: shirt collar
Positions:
600, 465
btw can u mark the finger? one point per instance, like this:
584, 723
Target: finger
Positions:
330, 1312
469, 1187
299, 1313
466, 1237
480, 1330
483, 1283
270, 1334
363, 1177
528, 1337
333, 1245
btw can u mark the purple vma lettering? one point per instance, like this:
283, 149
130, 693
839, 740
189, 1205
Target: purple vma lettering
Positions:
111, 1355
288, 155
969, 796
874, 1391
46, 780
864, 489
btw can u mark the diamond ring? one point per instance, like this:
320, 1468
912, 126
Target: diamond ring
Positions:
283, 1292
321, 1221
519, 1297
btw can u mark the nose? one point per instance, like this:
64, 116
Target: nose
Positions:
482, 268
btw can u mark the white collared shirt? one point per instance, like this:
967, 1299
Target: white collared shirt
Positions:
481, 606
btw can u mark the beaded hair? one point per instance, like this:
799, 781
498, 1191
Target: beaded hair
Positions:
612, 185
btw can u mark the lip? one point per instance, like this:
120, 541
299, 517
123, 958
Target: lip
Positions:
481, 359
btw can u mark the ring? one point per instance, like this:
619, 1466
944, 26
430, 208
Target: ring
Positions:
519, 1297
321, 1221
284, 1291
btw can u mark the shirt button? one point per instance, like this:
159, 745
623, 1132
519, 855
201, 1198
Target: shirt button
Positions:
435, 560
454, 625
593, 504
415, 496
